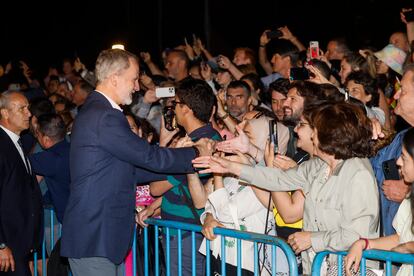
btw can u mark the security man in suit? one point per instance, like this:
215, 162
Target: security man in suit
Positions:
21, 209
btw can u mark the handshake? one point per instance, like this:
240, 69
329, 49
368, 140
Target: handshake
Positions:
205, 147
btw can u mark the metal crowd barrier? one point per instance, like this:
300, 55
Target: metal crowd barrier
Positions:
377, 255
385, 256
52, 242
239, 235
167, 225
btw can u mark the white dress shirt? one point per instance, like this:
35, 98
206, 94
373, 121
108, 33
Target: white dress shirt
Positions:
113, 104
15, 138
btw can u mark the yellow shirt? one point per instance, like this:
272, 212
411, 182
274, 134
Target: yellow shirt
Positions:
281, 223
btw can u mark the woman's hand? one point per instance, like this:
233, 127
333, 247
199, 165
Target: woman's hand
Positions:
264, 39
283, 162
208, 227
407, 247
143, 215
214, 164
354, 257
319, 78
240, 143
224, 62
300, 241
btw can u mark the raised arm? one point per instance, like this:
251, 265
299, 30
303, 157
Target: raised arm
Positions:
155, 70
287, 34
263, 60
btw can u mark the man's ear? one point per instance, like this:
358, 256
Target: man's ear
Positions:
113, 79
47, 141
250, 100
185, 109
4, 113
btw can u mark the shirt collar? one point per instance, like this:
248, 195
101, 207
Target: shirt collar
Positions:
15, 138
197, 133
113, 104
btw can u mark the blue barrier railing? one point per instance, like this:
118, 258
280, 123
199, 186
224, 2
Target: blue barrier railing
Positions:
377, 255
52, 242
223, 232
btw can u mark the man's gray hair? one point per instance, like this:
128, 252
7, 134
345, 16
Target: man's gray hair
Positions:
112, 61
5, 98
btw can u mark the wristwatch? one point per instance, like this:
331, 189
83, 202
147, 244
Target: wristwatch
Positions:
2, 245
224, 116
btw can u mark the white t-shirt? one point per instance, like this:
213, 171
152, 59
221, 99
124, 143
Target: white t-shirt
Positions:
402, 225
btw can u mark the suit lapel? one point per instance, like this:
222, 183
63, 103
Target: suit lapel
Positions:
8, 144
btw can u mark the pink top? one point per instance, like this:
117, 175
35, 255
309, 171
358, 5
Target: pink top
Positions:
143, 196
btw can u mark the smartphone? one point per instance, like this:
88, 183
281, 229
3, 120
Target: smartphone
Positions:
409, 15
273, 135
164, 92
314, 49
299, 73
274, 34
169, 118
390, 170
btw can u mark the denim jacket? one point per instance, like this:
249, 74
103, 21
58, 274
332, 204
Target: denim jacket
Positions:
388, 208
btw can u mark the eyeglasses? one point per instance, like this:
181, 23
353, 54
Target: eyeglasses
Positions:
174, 103
300, 124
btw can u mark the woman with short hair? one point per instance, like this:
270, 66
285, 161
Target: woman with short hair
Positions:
341, 194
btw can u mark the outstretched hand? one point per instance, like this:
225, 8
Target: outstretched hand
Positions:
206, 146
240, 143
214, 164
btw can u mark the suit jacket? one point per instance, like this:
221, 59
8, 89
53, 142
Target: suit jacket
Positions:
21, 211
106, 161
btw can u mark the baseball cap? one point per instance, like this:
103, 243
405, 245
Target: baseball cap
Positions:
393, 57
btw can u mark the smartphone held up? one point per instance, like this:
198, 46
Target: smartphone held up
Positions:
274, 34
273, 135
164, 92
314, 49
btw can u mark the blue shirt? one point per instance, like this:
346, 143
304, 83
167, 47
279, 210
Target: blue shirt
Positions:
53, 164
388, 208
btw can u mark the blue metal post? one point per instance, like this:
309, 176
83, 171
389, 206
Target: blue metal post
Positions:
179, 253
134, 252
157, 269
239, 258
146, 251
223, 256
256, 259
35, 263
208, 261
167, 264
193, 254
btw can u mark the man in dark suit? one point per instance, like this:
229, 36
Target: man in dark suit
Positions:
106, 161
20, 197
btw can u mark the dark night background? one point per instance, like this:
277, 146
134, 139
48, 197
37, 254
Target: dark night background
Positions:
43, 33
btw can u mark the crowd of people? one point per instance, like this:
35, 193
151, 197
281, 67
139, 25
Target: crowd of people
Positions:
314, 147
